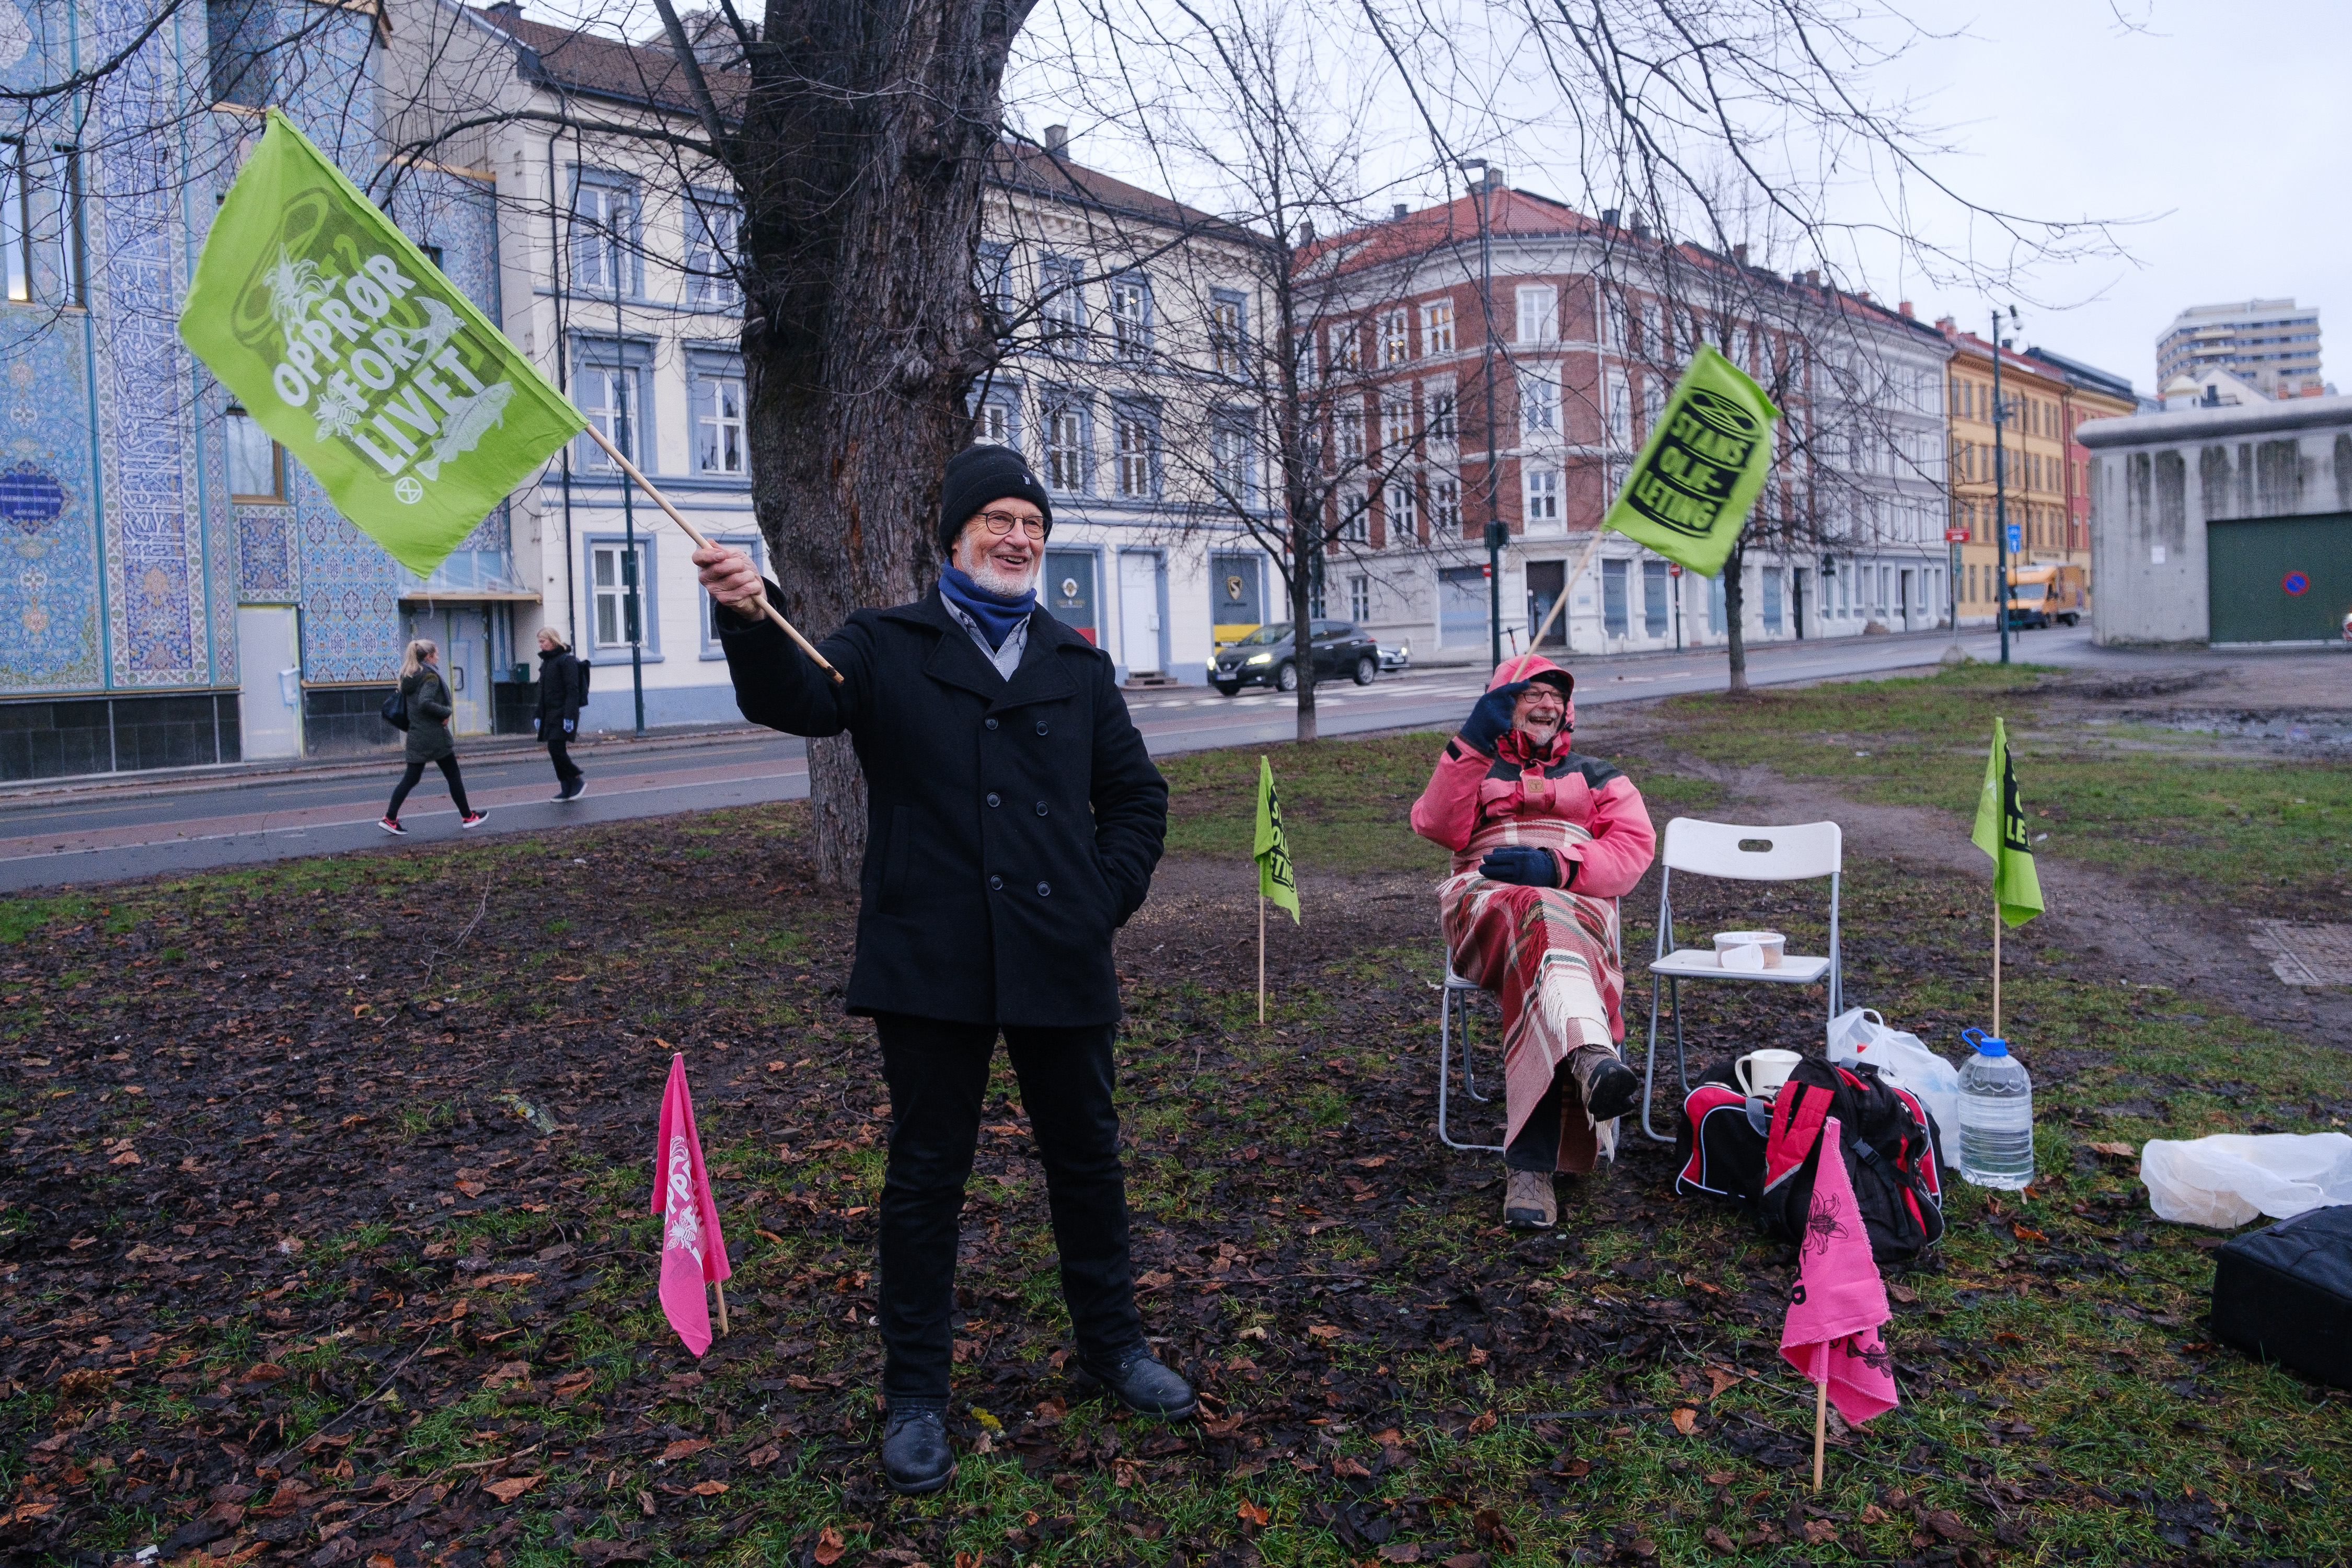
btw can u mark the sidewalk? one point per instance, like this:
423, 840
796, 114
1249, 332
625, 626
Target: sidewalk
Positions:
470, 749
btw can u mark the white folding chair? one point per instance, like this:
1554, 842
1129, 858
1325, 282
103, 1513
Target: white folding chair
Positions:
1453, 997
1725, 850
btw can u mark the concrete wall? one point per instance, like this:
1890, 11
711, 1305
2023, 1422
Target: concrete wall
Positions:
2157, 480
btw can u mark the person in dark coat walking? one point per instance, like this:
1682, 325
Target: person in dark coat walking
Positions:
426, 696
1013, 822
561, 694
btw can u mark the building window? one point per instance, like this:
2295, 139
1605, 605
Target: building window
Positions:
1771, 576
1441, 414
1613, 321
1066, 446
1395, 348
1539, 401
1396, 424
1542, 496
620, 583
1347, 349
16, 219
1351, 434
613, 397
1230, 463
1227, 320
751, 544
991, 275
1444, 504
1437, 327
1539, 313
718, 445
1654, 346
1613, 618
1715, 605
1620, 410
237, 34
1130, 319
714, 238
1061, 304
1135, 436
604, 219
1654, 402
1355, 517
993, 426
1359, 599
257, 464
1654, 590
1402, 526
71, 235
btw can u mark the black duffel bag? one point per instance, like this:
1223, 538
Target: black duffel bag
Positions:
2284, 1294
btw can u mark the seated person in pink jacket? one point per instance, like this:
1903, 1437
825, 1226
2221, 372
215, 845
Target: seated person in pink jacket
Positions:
1544, 841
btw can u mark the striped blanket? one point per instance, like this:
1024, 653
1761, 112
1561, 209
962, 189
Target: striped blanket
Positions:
1550, 956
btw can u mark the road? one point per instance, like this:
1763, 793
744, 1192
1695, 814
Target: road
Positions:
123, 828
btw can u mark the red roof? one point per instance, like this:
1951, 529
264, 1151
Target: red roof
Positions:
647, 74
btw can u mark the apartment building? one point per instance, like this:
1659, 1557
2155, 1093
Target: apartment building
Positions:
1581, 326
2272, 346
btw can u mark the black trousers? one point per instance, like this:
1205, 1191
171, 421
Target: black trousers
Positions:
938, 1074
566, 770
416, 771
1536, 1148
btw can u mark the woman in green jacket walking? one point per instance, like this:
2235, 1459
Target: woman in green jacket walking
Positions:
426, 696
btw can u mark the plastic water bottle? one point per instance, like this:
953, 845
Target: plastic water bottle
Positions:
1996, 1116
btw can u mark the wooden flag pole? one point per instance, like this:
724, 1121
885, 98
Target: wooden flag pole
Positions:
720, 1286
1261, 956
1566, 586
694, 533
1821, 1426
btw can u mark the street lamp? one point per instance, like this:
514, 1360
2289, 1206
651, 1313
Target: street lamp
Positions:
2000, 486
1483, 193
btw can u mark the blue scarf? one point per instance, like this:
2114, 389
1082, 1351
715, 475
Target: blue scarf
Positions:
993, 613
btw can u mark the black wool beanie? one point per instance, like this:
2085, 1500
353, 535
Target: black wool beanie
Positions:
978, 474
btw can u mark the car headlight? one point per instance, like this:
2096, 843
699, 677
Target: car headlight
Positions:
1261, 658
1212, 664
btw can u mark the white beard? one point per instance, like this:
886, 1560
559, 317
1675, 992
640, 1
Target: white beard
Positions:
985, 571
1541, 734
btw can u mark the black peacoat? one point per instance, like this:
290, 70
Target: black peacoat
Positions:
1011, 827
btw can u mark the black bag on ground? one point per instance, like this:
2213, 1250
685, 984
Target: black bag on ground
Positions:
396, 708
1717, 1151
1888, 1139
2284, 1294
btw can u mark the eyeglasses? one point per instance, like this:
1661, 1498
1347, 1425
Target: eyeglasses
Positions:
1001, 523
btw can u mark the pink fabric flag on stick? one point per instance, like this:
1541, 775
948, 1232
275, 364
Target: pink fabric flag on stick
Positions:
694, 1253
1838, 1301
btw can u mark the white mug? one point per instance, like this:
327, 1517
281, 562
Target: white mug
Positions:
1771, 1070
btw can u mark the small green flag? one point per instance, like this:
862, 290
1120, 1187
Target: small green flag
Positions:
332, 329
1702, 468
2000, 833
1272, 849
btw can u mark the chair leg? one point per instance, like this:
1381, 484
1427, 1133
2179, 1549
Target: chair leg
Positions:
1682, 1062
1449, 1000
1469, 1078
1650, 1066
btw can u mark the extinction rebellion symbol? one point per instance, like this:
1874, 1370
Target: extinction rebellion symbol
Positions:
2296, 584
408, 490
1700, 457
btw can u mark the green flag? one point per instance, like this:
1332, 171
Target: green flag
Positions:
332, 329
1273, 846
1702, 468
2000, 833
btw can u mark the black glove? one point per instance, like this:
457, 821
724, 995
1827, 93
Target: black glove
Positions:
1491, 719
1523, 864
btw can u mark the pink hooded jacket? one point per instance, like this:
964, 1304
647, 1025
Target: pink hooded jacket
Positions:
1471, 788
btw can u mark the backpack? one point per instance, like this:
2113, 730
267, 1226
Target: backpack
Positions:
1888, 1139
581, 669
396, 708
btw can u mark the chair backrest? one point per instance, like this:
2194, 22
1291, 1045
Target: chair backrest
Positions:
1789, 853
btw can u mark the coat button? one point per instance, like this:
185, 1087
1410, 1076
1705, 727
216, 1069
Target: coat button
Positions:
1041, 726
1040, 808
994, 799
1044, 891
990, 722
996, 884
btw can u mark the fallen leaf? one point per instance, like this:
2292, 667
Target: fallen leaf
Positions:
1718, 1379
1404, 1551
2116, 1151
680, 1449
1482, 1424
1158, 1280
1686, 1420
471, 1189
1946, 1523
1903, 1294
1820, 1531
1373, 1162
1873, 1514
1343, 1466
1720, 1478
828, 1548
1324, 1331
1488, 1523
264, 1372
597, 1553
1467, 1560
511, 1487
1721, 1542
709, 1489
1251, 1514
2025, 1232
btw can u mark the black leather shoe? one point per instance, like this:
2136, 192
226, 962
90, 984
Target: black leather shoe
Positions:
1139, 1381
916, 1457
1616, 1089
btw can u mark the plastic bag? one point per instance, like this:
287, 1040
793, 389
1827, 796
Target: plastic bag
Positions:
1858, 1033
2226, 1180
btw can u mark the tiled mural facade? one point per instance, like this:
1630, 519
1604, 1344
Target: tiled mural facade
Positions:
125, 561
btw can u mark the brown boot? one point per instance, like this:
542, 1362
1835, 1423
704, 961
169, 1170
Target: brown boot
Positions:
1528, 1202
1610, 1088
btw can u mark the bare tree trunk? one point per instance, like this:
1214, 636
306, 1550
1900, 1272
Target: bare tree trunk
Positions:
863, 150
1302, 630
1734, 598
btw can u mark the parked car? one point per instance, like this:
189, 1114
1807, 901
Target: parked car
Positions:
1395, 655
1268, 656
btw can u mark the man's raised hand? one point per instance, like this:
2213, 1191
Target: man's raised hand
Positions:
1492, 717
730, 577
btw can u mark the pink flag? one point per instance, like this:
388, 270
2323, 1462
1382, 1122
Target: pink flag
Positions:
693, 1252
1839, 1300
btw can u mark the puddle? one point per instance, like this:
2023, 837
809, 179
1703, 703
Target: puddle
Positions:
2294, 732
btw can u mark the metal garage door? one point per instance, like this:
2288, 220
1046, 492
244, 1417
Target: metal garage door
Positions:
2280, 579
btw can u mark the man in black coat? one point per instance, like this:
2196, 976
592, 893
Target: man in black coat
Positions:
1013, 822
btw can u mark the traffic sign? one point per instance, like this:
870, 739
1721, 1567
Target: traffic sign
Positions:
1673, 568
2296, 584
2016, 539
1956, 536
